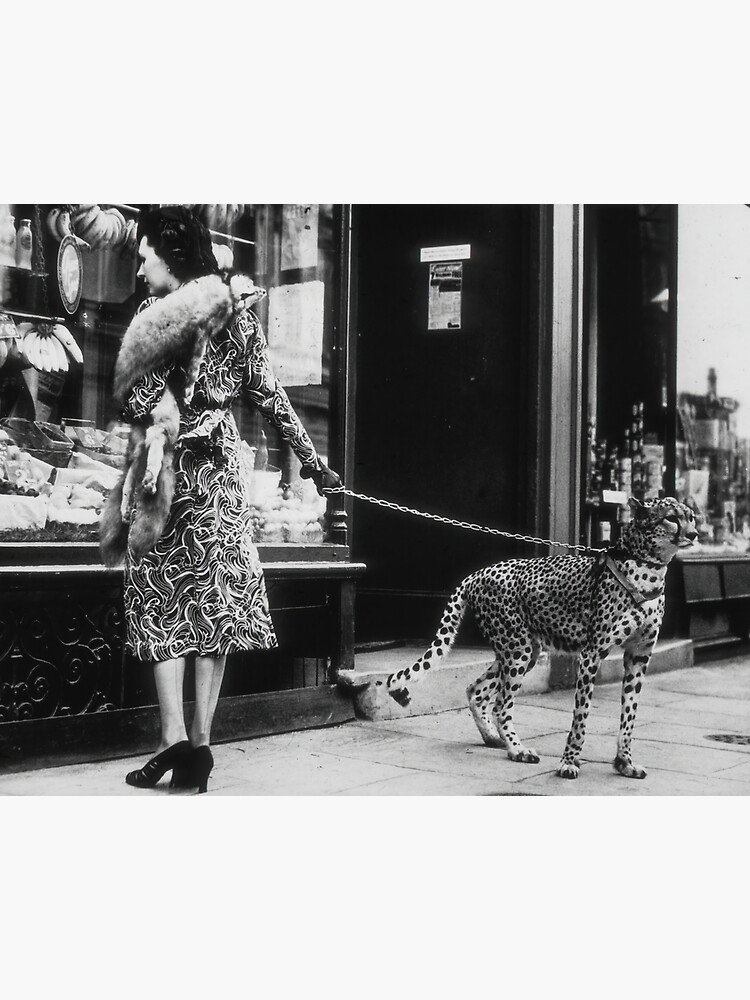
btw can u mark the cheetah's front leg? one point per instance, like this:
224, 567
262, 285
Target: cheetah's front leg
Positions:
636, 663
588, 666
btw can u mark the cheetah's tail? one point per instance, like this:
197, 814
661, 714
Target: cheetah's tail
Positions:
450, 623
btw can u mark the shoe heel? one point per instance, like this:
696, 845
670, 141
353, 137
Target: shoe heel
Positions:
203, 763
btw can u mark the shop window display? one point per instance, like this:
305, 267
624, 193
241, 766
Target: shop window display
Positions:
69, 288
628, 336
713, 373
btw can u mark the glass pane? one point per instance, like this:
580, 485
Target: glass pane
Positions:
628, 335
62, 444
713, 371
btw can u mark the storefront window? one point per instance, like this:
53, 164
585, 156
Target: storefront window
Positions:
628, 364
68, 289
713, 372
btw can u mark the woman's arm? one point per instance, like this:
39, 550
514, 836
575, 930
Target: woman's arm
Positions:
264, 390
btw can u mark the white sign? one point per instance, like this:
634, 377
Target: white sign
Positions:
615, 496
461, 251
299, 236
295, 332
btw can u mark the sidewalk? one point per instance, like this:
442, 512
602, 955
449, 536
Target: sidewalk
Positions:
441, 754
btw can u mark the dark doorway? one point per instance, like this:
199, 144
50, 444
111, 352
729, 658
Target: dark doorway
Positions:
440, 415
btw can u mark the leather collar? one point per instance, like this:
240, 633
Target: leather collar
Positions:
639, 596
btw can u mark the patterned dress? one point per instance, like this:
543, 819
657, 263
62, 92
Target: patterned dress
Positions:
201, 589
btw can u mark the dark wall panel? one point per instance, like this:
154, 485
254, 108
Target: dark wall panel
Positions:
439, 415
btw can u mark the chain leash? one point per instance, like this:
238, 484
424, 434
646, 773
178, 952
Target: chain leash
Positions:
462, 524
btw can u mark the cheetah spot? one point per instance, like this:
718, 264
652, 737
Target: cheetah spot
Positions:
402, 696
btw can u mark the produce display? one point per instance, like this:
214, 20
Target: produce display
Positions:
48, 347
93, 226
221, 217
45, 486
224, 256
289, 514
280, 512
38, 494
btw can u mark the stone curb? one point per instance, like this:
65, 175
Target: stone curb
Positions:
445, 688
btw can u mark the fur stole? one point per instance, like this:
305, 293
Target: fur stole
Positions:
174, 328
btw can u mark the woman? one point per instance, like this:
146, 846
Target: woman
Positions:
201, 590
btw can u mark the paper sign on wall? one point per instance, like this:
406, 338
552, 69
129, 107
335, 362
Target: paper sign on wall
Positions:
295, 332
459, 251
299, 236
444, 299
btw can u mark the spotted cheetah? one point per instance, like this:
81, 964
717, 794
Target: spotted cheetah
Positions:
583, 604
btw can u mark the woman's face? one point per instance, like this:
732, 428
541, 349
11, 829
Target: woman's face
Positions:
154, 271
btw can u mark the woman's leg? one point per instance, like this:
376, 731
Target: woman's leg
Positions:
209, 673
169, 676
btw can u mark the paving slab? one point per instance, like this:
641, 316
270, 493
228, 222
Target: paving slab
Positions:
602, 779
307, 774
689, 734
529, 719
737, 772
436, 784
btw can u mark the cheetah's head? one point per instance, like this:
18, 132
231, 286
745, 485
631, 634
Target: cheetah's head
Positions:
659, 528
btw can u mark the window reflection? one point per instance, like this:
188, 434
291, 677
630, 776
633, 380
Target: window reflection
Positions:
713, 401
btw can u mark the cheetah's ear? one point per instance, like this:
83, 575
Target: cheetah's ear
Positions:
639, 509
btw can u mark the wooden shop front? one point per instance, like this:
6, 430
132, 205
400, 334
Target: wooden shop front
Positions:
68, 690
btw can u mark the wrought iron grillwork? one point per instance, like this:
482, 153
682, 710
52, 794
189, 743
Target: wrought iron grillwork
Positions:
60, 657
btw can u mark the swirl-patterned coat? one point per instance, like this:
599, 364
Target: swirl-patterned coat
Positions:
201, 589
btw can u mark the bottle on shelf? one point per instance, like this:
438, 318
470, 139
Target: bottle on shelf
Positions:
23, 245
597, 482
613, 470
603, 531
625, 465
261, 455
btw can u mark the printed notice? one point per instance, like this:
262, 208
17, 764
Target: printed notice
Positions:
295, 332
299, 236
444, 300
459, 251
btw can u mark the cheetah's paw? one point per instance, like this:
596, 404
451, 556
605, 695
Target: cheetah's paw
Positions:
568, 769
627, 769
524, 755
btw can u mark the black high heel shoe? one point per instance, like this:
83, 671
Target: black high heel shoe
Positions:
152, 770
203, 764
195, 770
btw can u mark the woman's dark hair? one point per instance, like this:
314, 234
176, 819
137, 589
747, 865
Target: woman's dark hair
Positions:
181, 240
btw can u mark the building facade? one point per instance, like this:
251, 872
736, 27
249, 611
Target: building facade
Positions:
517, 366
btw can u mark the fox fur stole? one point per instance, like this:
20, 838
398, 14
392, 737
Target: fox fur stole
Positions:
175, 329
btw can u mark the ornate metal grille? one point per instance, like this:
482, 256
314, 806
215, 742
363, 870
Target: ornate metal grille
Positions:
59, 657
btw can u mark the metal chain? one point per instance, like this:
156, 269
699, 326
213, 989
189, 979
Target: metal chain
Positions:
42, 263
461, 524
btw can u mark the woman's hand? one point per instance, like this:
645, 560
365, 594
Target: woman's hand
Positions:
323, 477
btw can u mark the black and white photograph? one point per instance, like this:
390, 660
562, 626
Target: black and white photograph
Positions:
266, 530
401, 506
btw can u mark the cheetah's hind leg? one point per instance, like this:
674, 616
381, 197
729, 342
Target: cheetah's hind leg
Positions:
481, 696
513, 665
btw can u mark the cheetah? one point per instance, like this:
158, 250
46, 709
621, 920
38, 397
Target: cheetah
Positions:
583, 604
